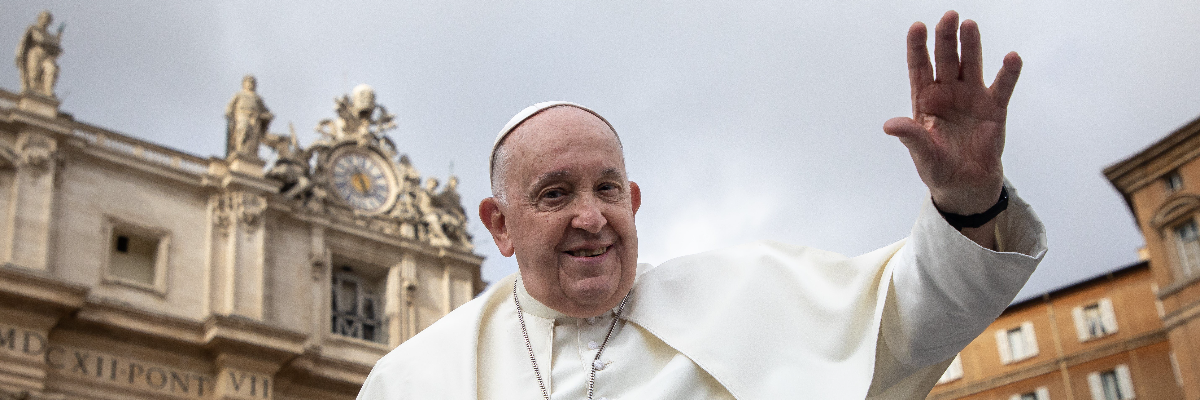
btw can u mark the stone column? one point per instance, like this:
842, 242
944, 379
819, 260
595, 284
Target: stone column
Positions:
239, 259
321, 261
399, 310
27, 239
394, 298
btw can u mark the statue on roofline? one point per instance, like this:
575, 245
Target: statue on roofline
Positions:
37, 56
360, 119
247, 121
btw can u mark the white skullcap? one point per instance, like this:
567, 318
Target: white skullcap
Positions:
526, 114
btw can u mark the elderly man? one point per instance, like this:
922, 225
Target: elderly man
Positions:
764, 321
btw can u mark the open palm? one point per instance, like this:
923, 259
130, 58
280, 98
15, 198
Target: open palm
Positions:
956, 134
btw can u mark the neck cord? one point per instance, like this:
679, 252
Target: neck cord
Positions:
595, 361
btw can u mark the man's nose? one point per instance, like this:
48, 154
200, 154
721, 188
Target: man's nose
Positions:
588, 215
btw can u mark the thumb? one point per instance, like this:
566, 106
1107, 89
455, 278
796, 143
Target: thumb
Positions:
913, 135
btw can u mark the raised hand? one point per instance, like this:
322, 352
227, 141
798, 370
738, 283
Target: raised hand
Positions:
956, 134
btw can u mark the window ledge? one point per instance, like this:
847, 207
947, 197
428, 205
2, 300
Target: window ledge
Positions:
145, 287
1178, 286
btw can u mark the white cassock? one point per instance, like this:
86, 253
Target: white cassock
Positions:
760, 321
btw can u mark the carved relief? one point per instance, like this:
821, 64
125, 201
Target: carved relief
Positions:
354, 174
35, 151
361, 120
239, 207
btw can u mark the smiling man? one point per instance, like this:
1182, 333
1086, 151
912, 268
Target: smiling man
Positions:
582, 320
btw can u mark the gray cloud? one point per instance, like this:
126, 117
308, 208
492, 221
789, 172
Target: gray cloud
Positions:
742, 122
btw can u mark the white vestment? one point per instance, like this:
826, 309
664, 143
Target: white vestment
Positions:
760, 321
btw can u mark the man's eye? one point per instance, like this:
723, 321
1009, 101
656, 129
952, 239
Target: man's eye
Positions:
553, 194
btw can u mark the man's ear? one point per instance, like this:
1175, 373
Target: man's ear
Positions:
493, 219
635, 196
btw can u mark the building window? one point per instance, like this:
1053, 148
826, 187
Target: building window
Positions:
1114, 384
953, 372
356, 309
1016, 344
1173, 181
1040, 394
1188, 243
137, 257
1094, 320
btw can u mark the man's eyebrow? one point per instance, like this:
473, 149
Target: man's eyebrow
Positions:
612, 173
548, 177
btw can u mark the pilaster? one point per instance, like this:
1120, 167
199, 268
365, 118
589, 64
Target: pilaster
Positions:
31, 215
239, 253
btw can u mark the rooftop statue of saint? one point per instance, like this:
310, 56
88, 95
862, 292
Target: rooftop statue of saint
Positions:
37, 56
247, 120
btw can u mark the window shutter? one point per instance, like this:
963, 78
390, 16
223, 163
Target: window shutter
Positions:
1002, 346
1126, 381
1094, 386
1031, 346
1175, 369
1108, 316
955, 370
1081, 330
1042, 393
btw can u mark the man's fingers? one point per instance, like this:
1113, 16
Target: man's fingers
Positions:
1006, 79
945, 47
972, 54
913, 135
920, 71
905, 128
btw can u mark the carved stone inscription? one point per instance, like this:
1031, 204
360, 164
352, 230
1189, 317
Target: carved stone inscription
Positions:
125, 371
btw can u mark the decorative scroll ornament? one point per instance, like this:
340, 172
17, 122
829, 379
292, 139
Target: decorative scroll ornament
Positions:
235, 207
35, 151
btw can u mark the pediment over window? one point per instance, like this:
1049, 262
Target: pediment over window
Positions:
1175, 209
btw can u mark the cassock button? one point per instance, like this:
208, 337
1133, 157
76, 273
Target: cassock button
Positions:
593, 345
598, 365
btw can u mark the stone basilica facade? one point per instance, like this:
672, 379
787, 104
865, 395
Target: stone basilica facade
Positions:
129, 270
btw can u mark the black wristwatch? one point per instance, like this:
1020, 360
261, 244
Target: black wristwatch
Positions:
959, 221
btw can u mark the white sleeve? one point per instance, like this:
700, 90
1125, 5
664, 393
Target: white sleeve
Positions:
946, 289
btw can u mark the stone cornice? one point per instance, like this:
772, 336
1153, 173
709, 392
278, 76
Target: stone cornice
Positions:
1137, 171
1129, 174
232, 334
35, 289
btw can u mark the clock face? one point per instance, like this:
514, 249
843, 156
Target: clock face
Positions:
362, 181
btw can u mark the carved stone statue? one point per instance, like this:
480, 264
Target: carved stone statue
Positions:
454, 217
291, 165
37, 56
360, 119
427, 203
248, 119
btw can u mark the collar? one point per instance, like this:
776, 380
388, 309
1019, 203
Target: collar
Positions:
535, 308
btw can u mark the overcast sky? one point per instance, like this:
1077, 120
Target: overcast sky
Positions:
742, 122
